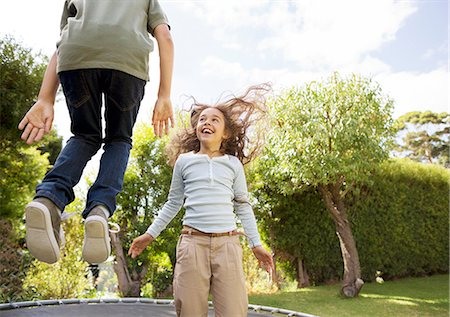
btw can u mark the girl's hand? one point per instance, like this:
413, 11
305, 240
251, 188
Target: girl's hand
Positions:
264, 258
139, 244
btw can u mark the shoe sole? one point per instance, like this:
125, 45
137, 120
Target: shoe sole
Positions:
41, 241
96, 245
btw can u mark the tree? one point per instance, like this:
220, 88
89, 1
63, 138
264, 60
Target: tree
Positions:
328, 135
145, 190
21, 73
426, 136
20, 169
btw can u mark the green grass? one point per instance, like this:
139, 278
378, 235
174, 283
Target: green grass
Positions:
409, 297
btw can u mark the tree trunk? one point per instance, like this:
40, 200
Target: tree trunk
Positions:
351, 282
302, 274
129, 283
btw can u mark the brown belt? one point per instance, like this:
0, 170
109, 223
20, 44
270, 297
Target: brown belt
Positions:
194, 232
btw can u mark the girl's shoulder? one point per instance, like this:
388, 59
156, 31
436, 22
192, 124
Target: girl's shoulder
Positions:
235, 163
233, 159
183, 157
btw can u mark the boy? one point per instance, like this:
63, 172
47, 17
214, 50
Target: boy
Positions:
103, 49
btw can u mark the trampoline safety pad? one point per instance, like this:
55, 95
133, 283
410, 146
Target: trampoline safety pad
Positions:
117, 307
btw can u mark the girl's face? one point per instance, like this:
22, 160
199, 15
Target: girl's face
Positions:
211, 128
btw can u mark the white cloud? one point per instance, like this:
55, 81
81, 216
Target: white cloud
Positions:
313, 34
433, 52
417, 91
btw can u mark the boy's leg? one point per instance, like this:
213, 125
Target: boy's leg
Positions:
43, 215
123, 94
83, 98
228, 282
191, 280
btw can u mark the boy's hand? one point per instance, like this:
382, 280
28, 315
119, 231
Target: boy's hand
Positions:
162, 114
139, 244
264, 259
37, 121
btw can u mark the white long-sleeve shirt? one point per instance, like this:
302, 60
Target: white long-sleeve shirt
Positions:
214, 191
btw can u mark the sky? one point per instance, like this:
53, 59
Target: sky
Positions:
222, 47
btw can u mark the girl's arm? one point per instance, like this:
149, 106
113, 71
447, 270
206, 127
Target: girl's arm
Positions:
245, 213
139, 244
167, 213
243, 207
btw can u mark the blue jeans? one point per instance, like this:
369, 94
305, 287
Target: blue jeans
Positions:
83, 90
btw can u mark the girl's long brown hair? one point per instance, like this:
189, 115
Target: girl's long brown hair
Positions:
240, 114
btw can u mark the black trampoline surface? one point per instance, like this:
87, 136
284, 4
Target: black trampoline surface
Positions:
137, 307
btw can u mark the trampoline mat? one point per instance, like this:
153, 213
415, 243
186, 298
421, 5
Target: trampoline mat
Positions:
102, 310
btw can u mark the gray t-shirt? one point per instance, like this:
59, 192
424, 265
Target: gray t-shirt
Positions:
213, 191
111, 34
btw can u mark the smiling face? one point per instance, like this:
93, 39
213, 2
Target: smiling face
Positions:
211, 129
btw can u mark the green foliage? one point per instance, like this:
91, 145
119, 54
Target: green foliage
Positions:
68, 278
51, 144
13, 264
426, 136
399, 220
20, 170
161, 281
325, 130
299, 227
21, 73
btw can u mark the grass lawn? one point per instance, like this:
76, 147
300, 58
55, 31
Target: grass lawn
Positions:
409, 297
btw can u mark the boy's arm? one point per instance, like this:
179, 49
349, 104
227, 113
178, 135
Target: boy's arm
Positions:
38, 120
163, 112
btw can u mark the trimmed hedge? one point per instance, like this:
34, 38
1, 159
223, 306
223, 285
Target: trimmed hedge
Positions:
400, 223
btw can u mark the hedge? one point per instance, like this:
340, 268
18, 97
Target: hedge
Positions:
400, 223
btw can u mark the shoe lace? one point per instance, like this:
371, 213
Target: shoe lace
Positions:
64, 217
115, 229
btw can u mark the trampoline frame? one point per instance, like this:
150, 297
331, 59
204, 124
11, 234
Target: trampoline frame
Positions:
132, 300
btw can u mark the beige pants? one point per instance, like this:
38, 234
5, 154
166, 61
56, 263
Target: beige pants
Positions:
209, 265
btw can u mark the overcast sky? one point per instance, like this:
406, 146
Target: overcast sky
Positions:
225, 46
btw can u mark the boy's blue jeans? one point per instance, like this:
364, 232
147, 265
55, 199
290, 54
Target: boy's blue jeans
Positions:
83, 90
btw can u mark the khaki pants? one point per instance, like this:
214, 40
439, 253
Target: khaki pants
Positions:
209, 265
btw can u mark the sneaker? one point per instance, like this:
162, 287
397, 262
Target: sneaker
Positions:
97, 244
43, 229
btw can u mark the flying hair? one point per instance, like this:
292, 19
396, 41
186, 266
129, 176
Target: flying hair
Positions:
245, 117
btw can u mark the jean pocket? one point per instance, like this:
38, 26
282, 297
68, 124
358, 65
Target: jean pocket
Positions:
126, 91
74, 87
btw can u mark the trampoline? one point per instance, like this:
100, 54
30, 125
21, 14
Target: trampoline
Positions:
117, 307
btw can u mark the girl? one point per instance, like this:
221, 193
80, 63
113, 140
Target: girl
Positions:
209, 179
